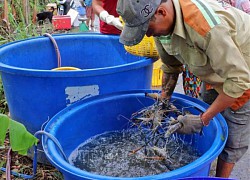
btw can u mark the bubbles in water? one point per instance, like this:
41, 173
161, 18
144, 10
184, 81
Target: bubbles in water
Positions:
110, 154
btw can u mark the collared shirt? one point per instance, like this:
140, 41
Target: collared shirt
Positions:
213, 39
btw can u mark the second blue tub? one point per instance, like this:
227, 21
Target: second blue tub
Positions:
99, 114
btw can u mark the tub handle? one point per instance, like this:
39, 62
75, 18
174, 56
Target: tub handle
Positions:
35, 148
54, 140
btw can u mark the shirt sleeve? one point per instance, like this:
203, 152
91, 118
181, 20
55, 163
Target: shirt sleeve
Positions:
228, 61
170, 63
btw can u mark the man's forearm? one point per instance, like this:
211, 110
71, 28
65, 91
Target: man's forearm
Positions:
220, 104
169, 81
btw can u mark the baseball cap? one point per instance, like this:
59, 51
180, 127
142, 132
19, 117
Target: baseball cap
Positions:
136, 15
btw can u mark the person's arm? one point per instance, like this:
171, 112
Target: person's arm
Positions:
222, 102
97, 6
105, 16
169, 81
171, 68
189, 123
228, 62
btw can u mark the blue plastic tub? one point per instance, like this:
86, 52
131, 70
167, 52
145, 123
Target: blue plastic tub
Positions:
99, 114
35, 93
206, 178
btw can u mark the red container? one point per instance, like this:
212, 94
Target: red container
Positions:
61, 22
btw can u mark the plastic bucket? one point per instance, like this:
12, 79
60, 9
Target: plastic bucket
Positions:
99, 114
206, 178
35, 93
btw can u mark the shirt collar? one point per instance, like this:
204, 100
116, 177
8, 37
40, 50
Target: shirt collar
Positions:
179, 24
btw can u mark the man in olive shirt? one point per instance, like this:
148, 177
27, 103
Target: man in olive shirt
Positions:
213, 39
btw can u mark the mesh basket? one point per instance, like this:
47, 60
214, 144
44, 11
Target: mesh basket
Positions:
157, 74
146, 48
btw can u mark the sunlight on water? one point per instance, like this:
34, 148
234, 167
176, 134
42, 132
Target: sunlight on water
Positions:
110, 154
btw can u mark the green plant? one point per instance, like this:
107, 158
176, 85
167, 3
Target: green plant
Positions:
19, 26
15, 135
20, 139
3, 103
12, 133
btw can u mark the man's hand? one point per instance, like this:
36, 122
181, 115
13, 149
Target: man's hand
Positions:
165, 103
111, 20
189, 124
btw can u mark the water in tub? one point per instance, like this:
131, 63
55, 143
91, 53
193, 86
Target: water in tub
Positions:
126, 154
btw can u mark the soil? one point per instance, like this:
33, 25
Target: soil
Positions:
23, 165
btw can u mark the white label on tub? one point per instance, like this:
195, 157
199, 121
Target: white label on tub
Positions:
77, 93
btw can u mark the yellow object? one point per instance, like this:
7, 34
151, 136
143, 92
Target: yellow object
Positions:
66, 68
157, 74
145, 48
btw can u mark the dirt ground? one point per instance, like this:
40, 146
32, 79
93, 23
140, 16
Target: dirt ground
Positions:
23, 165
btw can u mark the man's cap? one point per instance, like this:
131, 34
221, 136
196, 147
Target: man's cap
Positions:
136, 15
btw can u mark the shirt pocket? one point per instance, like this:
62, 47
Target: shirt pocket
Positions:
193, 56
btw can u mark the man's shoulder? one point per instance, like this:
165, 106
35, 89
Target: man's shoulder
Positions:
199, 15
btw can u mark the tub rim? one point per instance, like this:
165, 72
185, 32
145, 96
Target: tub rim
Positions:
141, 62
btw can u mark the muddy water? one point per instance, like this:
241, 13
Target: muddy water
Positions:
110, 154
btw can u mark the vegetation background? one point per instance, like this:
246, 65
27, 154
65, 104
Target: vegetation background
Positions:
18, 22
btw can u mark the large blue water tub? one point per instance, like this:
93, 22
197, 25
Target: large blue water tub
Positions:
35, 93
99, 114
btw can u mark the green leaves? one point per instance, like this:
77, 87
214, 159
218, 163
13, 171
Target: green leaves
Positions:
20, 139
4, 121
